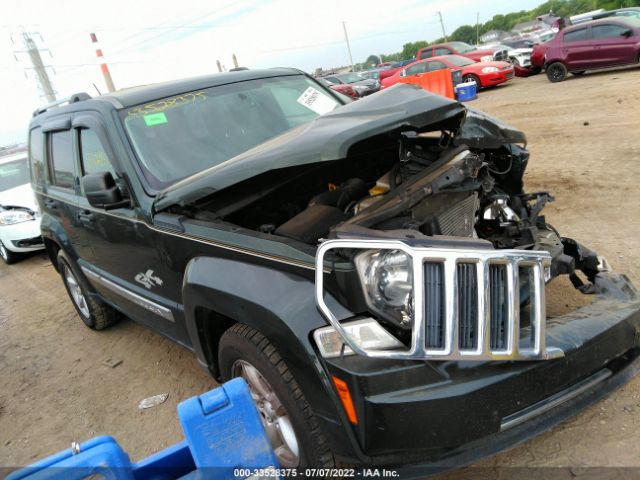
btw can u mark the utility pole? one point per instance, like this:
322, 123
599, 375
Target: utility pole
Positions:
478, 28
103, 66
219, 65
235, 60
442, 25
38, 66
346, 37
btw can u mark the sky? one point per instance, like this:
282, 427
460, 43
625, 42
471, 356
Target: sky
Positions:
148, 41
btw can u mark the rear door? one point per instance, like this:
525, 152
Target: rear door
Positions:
577, 49
611, 44
60, 194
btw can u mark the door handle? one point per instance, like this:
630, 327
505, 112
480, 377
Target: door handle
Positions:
86, 216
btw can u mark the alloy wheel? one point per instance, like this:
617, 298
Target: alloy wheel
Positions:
275, 419
76, 292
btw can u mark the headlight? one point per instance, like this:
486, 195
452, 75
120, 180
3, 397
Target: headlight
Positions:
387, 280
366, 333
489, 69
10, 217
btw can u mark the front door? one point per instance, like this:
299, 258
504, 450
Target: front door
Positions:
126, 266
612, 46
577, 49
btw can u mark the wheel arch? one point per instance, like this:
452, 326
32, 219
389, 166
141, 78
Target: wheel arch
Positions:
219, 293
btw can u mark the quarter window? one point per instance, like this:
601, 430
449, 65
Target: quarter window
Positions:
442, 51
93, 155
61, 159
601, 32
426, 54
576, 35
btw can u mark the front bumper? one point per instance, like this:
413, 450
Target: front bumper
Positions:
22, 237
448, 414
496, 78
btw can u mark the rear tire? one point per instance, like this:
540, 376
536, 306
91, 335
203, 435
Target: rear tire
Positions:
8, 256
556, 72
245, 352
95, 314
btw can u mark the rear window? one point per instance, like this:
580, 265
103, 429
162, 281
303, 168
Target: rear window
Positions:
576, 35
61, 159
182, 135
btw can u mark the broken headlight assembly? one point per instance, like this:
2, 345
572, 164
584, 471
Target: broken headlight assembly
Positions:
387, 280
11, 217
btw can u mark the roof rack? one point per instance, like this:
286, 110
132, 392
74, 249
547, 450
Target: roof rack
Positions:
76, 97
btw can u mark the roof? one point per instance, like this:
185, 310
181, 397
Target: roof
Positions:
129, 97
629, 21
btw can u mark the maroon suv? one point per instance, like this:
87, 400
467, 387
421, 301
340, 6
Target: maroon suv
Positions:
598, 44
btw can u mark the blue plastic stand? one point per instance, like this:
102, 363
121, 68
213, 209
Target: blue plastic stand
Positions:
223, 433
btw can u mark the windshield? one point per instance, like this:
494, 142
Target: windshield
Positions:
462, 47
179, 136
351, 77
459, 61
13, 174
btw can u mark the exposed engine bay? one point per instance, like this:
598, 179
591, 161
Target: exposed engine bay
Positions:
417, 183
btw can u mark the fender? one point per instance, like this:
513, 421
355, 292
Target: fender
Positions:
282, 307
54, 231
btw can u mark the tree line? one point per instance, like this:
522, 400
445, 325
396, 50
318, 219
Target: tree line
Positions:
469, 33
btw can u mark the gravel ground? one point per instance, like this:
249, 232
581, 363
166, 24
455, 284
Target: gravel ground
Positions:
583, 136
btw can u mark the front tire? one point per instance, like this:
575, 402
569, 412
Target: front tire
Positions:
287, 417
8, 256
95, 314
470, 77
556, 72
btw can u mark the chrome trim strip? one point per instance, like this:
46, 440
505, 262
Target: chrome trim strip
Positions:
450, 257
129, 295
308, 266
553, 401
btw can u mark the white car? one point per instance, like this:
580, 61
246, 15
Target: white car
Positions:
19, 217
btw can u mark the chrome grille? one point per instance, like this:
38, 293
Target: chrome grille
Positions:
466, 303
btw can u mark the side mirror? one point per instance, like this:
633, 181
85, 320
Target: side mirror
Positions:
102, 192
627, 33
403, 73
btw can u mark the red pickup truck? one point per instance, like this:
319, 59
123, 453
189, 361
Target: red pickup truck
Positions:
461, 48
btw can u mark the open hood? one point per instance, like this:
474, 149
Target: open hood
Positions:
330, 136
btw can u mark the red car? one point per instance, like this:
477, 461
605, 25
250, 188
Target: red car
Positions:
485, 74
605, 43
459, 48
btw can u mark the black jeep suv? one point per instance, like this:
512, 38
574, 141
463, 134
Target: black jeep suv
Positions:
373, 269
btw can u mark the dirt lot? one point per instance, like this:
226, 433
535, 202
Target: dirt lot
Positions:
55, 388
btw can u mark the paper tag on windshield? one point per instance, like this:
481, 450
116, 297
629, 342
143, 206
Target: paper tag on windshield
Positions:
316, 101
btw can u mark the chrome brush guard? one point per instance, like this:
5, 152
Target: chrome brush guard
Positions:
479, 317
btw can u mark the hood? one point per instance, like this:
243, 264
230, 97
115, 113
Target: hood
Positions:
521, 51
21, 196
329, 137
